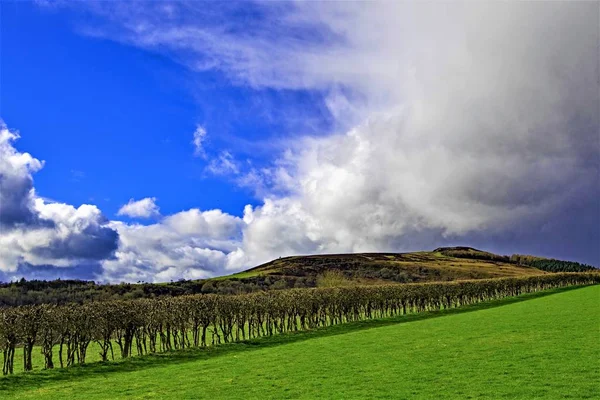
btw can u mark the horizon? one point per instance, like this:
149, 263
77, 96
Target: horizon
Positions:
170, 141
99, 283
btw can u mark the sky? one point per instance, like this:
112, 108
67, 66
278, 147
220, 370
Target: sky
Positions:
157, 141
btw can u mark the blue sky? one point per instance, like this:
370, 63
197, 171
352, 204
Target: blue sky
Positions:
116, 122
368, 127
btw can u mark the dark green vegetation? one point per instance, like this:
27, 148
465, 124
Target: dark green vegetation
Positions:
540, 263
550, 264
546, 347
444, 264
148, 326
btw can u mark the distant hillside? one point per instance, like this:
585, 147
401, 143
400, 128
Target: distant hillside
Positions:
550, 264
442, 264
541, 263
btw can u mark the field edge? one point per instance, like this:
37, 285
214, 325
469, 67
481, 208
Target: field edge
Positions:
38, 379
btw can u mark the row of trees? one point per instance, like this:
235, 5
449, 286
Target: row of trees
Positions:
550, 264
143, 326
25, 292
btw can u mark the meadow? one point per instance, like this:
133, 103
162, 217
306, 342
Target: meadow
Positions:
538, 345
149, 326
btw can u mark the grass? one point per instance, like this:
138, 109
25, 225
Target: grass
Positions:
238, 275
546, 347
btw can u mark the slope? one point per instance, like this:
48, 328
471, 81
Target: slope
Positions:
545, 347
442, 264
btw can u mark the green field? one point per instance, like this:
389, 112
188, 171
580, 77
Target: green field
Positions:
545, 347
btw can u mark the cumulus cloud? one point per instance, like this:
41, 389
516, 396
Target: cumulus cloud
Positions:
35, 232
45, 239
191, 244
144, 208
78, 233
16, 183
75, 236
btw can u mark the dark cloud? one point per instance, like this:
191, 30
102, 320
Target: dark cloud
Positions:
15, 200
573, 234
93, 243
84, 271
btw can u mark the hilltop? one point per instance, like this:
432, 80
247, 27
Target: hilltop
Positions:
441, 264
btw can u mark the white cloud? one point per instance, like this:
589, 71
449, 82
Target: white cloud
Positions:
224, 164
67, 237
191, 244
468, 121
198, 141
16, 184
477, 120
144, 208
36, 231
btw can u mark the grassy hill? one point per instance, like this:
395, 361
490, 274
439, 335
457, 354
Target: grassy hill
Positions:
442, 264
504, 349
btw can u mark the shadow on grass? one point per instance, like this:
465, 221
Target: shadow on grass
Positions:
38, 379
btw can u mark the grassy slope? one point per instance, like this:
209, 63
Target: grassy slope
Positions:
546, 347
419, 266
283, 273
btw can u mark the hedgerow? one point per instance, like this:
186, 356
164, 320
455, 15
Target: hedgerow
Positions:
143, 326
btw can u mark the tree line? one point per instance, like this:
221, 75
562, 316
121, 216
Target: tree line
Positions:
63, 334
29, 292
550, 264
541, 263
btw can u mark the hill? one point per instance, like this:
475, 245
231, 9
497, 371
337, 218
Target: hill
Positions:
442, 264
485, 351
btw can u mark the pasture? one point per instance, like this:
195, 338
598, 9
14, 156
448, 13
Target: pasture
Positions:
545, 347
